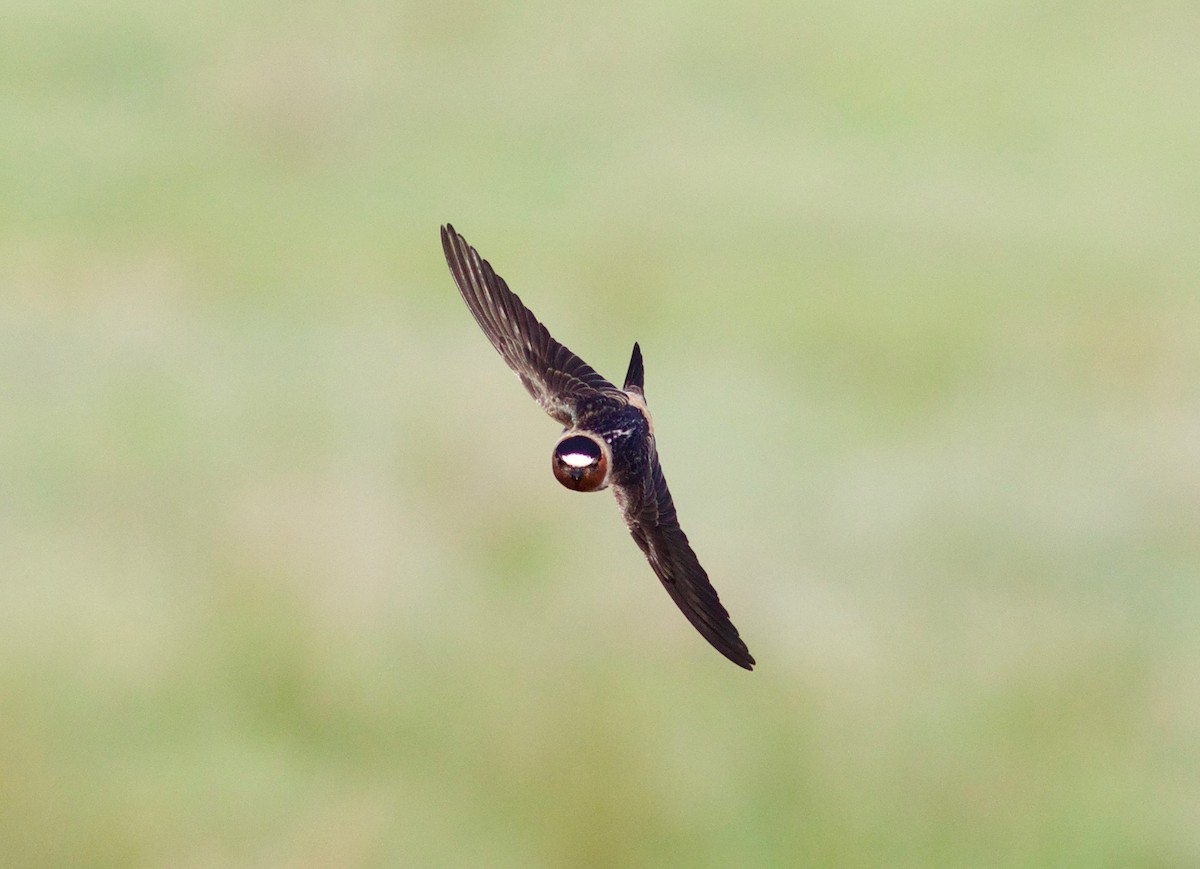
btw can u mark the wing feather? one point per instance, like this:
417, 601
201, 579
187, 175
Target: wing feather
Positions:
650, 514
556, 378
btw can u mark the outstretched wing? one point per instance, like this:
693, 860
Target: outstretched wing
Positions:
650, 514
557, 379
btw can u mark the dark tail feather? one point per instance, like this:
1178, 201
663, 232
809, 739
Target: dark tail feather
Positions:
635, 376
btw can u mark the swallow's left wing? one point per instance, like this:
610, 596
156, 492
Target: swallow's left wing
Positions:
650, 514
556, 378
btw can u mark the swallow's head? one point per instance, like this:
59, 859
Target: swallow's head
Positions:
581, 462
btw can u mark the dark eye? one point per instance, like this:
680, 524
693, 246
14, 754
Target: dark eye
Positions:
578, 452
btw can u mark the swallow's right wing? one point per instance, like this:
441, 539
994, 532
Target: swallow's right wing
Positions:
556, 378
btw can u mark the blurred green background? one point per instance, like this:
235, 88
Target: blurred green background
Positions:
286, 580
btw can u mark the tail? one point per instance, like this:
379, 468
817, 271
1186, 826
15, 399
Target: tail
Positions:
635, 376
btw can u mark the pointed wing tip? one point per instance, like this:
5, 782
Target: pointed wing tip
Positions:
449, 240
734, 649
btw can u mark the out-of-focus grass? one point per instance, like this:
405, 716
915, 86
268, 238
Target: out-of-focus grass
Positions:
286, 580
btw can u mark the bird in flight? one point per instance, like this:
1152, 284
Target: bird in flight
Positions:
607, 439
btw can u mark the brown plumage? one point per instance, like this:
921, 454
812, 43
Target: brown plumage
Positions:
608, 438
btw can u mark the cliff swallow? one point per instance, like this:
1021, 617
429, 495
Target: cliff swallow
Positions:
607, 439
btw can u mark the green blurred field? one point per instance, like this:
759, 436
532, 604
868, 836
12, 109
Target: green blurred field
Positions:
285, 578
